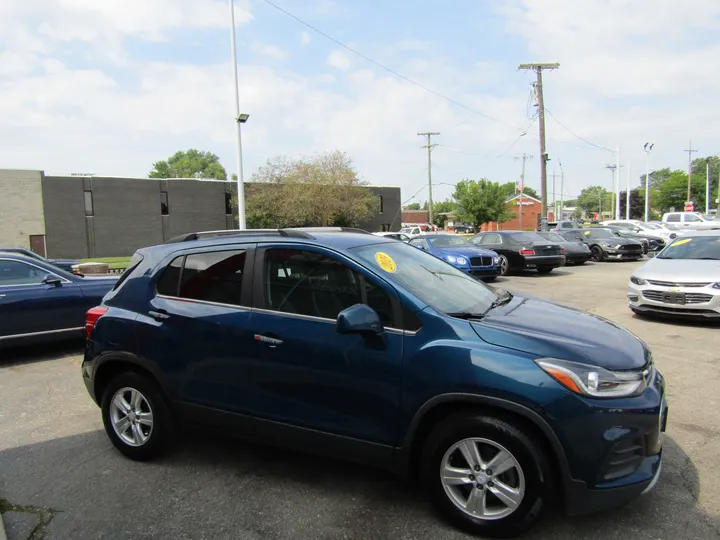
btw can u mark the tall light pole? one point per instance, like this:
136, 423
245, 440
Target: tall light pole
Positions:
627, 195
240, 119
707, 186
648, 148
617, 185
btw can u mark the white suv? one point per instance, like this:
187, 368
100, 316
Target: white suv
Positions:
691, 220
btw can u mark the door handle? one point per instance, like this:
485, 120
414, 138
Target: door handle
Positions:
270, 341
160, 315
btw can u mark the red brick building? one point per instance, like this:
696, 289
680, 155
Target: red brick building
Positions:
415, 216
531, 208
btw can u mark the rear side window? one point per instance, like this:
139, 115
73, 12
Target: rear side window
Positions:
134, 262
673, 218
212, 277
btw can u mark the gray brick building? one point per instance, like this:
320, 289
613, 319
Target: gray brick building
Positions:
86, 217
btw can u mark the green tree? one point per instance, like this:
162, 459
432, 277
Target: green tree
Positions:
322, 190
190, 164
595, 199
440, 208
413, 206
577, 214
480, 202
510, 190
656, 177
637, 204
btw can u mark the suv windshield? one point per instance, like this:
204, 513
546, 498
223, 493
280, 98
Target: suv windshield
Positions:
447, 240
694, 247
433, 281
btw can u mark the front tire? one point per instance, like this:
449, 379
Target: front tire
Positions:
136, 418
598, 255
457, 471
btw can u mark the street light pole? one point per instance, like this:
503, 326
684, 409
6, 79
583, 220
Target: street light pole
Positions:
707, 186
648, 148
239, 120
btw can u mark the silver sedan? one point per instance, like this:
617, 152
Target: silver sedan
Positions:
684, 279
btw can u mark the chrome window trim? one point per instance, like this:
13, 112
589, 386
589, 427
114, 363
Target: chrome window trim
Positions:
62, 279
45, 332
207, 302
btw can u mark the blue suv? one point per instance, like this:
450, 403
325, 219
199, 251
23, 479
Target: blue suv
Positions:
367, 349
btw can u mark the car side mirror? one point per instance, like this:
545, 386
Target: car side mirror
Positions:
359, 319
50, 279
419, 246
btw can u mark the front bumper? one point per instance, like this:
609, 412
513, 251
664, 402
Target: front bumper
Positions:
613, 446
683, 301
482, 271
622, 255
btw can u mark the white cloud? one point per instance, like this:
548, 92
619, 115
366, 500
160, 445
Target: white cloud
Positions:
304, 38
271, 51
339, 60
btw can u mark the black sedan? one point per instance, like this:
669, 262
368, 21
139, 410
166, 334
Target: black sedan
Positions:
650, 242
576, 252
520, 250
605, 245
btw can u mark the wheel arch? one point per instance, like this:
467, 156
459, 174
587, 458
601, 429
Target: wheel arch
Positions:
110, 365
440, 407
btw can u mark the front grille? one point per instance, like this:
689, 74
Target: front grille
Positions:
629, 247
624, 459
671, 284
480, 261
677, 298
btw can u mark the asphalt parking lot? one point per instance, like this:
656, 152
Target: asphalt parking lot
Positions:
60, 478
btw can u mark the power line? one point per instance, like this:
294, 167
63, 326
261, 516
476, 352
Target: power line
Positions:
384, 67
575, 134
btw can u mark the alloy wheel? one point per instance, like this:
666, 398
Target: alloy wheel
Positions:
482, 478
131, 417
597, 254
504, 265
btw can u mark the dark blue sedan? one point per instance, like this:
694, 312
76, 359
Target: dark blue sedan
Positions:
65, 264
478, 262
40, 302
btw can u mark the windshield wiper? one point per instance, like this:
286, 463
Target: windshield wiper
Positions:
466, 315
499, 302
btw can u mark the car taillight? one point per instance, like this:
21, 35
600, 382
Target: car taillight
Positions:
527, 251
562, 250
91, 317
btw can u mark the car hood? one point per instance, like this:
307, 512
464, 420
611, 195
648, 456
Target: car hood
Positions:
466, 252
614, 240
680, 270
551, 330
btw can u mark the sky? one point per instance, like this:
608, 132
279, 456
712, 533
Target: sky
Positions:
109, 87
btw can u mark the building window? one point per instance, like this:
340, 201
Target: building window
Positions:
164, 208
381, 204
228, 203
89, 208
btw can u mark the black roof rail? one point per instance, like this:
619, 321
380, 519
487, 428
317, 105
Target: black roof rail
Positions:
298, 232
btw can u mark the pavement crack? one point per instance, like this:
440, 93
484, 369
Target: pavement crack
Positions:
44, 514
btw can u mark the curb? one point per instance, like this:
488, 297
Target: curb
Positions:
3, 536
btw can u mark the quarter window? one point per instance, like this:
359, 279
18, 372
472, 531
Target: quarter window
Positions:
18, 273
492, 238
212, 277
309, 283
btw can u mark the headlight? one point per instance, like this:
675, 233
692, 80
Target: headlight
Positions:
716, 286
451, 259
496, 260
638, 281
606, 244
593, 381
461, 260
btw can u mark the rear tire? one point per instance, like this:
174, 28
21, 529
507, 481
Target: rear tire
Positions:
523, 482
136, 417
504, 265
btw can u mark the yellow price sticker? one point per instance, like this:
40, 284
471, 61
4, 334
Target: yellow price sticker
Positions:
586, 233
681, 242
385, 262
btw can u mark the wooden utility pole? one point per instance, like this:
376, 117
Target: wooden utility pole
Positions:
690, 153
539, 68
429, 147
524, 158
